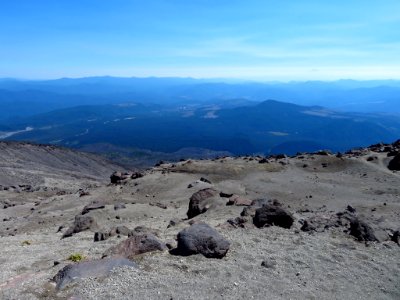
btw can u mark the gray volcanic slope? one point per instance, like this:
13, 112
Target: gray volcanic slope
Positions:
46, 165
262, 263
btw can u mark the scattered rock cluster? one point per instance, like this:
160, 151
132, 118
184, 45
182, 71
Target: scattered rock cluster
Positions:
119, 177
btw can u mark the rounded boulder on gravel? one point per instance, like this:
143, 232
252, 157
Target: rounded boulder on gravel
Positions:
273, 215
202, 239
136, 244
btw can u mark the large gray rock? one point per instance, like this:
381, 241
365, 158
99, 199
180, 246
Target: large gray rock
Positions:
94, 268
201, 239
199, 203
273, 215
136, 244
81, 223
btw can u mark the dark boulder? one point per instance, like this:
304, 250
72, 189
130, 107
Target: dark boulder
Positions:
362, 231
201, 239
136, 244
394, 164
396, 237
81, 223
92, 206
273, 215
94, 268
198, 203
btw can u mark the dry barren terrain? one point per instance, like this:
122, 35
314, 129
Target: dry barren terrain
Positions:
341, 245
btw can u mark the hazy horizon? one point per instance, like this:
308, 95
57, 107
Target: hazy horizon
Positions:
207, 79
252, 40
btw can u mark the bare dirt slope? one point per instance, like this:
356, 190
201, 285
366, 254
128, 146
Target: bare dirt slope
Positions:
46, 165
325, 262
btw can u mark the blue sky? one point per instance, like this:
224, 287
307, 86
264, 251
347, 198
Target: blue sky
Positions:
266, 40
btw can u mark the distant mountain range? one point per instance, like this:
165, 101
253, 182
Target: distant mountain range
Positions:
19, 98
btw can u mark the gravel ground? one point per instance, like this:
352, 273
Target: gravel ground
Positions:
297, 265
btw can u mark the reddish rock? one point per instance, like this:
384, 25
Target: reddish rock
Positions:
239, 201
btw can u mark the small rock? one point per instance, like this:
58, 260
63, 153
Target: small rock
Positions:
121, 230
136, 175
239, 222
81, 223
225, 195
173, 222
351, 209
118, 177
268, 263
239, 201
92, 206
119, 206
158, 204
307, 226
136, 244
205, 180
100, 236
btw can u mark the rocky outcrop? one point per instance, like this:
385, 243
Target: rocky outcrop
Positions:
201, 239
119, 177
